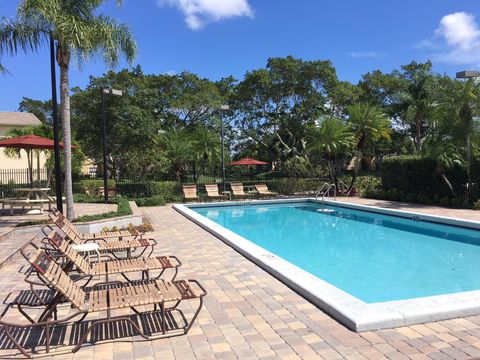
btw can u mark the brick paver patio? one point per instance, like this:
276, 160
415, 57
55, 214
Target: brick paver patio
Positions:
248, 314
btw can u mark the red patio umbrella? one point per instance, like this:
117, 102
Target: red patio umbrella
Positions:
247, 161
28, 143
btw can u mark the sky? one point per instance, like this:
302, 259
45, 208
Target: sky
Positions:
218, 38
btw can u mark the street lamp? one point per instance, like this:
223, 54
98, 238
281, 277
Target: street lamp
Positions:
468, 74
112, 92
223, 108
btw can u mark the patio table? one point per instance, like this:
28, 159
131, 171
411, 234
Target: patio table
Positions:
36, 196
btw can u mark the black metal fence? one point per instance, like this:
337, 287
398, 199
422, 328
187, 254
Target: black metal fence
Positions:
140, 186
11, 179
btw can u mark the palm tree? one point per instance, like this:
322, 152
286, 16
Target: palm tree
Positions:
178, 149
368, 125
330, 137
468, 103
206, 146
79, 33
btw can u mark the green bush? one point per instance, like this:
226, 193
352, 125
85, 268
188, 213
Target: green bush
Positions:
171, 191
92, 185
418, 180
156, 200
476, 205
365, 184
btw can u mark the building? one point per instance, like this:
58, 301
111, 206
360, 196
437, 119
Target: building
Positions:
16, 120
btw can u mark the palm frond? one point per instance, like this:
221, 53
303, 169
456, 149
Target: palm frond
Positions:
113, 39
25, 36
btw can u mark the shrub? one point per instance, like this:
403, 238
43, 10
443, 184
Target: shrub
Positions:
365, 184
297, 167
171, 191
156, 200
92, 185
417, 179
476, 205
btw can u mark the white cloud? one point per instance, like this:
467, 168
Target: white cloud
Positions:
460, 30
199, 12
366, 54
456, 40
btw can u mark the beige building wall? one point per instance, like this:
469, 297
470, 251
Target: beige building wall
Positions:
11, 120
21, 162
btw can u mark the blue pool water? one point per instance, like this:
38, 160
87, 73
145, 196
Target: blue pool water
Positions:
371, 256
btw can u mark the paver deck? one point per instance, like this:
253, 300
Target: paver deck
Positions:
248, 314
472, 215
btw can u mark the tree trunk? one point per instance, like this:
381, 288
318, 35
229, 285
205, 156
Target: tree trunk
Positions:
38, 169
447, 182
355, 171
30, 166
418, 129
469, 165
67, 140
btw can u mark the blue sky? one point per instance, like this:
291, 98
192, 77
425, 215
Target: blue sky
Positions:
217, 38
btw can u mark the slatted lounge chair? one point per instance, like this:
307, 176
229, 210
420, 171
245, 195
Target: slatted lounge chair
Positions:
59, 219
120, 249
212, 191
115, 242
164, 297
237, 190
110, 267
264, 191
190, 192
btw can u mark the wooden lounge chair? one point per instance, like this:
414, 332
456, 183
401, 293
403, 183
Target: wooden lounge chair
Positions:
264, 191
120, 249
164, 320
237, 190
114, 242
62, 222
88, 268
190, 192
212, 191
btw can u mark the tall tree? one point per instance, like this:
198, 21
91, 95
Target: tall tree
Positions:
41, 109
329, 138
281, 100
178, 148
206, 146
79, 32
368, 124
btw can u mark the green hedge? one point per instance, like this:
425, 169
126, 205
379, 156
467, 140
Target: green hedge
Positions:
418, 180
151, 201
171, 191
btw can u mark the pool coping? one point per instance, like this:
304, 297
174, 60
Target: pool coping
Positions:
345, 308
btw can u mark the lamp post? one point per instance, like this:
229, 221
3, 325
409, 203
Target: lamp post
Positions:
223, 108
56, 143
468, 74
112, 92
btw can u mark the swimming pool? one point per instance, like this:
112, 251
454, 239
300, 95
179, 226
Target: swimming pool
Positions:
356, 257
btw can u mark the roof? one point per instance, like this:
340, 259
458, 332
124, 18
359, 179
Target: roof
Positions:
18, 119
248, 161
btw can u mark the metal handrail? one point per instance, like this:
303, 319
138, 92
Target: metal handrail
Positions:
322, 189
327, 192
